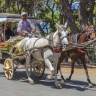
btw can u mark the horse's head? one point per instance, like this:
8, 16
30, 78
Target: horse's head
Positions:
61, 29
92, 32
87, 34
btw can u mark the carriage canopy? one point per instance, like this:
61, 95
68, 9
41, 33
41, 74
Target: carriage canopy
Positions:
7, 17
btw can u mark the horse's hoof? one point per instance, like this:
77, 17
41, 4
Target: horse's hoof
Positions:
90, 85
31, 82
59, 86
49, 77
62, 81
67, 80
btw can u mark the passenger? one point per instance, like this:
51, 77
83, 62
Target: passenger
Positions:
8, 31
24, 26
1, 32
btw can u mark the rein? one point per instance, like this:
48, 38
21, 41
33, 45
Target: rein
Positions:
55, 49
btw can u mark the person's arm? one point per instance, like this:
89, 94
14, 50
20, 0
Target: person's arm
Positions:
30, 27
23, 32
19, 28
33, 30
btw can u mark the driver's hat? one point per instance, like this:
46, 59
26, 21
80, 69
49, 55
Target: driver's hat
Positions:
23, 13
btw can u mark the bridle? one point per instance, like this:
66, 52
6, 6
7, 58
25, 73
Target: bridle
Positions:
88, 33
61, 29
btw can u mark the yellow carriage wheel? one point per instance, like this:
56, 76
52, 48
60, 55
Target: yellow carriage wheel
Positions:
39, 69
9, 68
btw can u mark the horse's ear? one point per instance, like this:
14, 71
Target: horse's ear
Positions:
65, 25
57, 25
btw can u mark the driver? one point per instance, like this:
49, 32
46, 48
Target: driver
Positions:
24, 26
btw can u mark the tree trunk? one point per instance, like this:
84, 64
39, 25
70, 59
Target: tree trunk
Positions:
52, 23
61, 18
35, 13
41, 30
67, 13
82, 13
91, 11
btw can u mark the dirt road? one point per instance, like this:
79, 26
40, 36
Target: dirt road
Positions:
79, 69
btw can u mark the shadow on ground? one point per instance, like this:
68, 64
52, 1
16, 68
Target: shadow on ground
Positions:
74, 84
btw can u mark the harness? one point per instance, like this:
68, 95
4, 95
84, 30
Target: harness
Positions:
88, 38
51, 44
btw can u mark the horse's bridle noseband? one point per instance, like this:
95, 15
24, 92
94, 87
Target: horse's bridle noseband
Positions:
88, 34
63, 28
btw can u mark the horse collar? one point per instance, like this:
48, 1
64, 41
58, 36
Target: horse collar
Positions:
57, 50
51, 39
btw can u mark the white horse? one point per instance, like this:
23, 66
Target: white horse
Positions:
42, 50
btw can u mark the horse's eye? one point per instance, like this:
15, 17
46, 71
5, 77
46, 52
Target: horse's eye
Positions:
68, 34
59, 34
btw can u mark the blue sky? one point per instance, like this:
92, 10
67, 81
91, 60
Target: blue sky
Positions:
75, 5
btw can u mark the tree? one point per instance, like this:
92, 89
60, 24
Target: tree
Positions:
90, 10
49, 13
54, 11
68, 16
83, 13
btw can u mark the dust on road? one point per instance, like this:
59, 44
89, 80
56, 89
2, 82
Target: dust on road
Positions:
66, 68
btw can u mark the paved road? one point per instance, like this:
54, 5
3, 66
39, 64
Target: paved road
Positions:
43, 87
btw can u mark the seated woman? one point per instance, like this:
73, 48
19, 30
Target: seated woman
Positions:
8, 31
1, 32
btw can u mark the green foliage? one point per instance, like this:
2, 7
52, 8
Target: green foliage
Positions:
43, 12
46, 13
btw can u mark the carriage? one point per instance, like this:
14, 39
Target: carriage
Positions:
13, 55
9, 56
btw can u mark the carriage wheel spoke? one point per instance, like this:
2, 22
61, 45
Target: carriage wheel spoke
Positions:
39, 69
8, 68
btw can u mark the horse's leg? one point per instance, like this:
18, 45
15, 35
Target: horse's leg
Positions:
30, 69
62, 77
60, 60
27, 63
50, 67
57, 83
86, 71
31, 58
72, 70
30, 72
